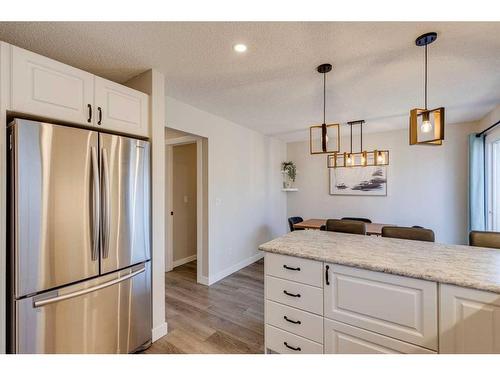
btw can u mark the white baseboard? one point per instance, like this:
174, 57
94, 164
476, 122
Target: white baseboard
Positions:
182, 261
203, 280
159, 331
238, 266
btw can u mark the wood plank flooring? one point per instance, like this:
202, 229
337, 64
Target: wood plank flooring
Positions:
227, 317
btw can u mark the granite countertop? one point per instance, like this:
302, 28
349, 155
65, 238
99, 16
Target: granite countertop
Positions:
473, 267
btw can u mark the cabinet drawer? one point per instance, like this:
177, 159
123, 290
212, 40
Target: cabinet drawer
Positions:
301, 270
341, 338
304, 297
395, 306
295, 321
284, 342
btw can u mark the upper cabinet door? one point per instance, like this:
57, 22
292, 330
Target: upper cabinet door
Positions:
48, 88
121, 108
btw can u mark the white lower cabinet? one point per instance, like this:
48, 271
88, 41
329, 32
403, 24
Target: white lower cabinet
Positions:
340, 338
358, 311
400, 307
469, 321
283, 342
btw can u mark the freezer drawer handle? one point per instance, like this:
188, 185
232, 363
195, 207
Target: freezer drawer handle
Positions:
86, 291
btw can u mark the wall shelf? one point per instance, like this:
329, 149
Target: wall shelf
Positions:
290, 189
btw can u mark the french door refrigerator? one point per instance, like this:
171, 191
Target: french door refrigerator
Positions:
79, 240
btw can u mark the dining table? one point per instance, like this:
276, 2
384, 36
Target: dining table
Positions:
372, 229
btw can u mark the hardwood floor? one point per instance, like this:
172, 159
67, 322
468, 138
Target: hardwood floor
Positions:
227, 317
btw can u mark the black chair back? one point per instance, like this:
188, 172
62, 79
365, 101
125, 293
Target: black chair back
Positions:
407, 233
294, 220
364, 220
346, 226
484, 239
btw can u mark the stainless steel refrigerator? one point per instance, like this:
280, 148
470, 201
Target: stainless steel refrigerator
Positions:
79, 240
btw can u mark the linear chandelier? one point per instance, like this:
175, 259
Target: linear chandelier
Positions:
358, 159
426, 125
324, 139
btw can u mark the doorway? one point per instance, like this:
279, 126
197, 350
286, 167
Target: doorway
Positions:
492, 180
186, 202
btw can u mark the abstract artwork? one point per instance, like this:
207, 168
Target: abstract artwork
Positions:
358, 181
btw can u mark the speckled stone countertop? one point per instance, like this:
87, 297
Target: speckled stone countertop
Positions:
473, 267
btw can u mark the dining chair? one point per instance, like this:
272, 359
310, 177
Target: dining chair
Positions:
294, 220
484, 239
364, 220
346, 226
408, 233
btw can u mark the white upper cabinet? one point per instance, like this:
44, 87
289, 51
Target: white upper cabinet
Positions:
469, 321
48, 88
120, 108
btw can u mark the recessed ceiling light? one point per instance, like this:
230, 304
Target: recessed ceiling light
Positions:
240, 47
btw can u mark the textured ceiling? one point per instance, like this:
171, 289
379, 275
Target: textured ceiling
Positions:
273, 87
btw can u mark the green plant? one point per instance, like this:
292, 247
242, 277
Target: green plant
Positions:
290, 169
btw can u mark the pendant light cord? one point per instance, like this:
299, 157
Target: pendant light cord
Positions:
351, 137
425, 85
324, 98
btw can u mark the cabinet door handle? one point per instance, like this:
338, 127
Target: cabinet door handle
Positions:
327, 280
297, 349
291, 268
291, 294
90, 113
291, 321
99, 119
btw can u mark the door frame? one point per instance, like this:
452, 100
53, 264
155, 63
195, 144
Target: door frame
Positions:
169, 246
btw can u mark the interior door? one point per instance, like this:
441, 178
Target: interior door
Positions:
125, 202
108, 314
55, 195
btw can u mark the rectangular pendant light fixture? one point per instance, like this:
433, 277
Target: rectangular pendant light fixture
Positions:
324, 138
358, 159
427, 126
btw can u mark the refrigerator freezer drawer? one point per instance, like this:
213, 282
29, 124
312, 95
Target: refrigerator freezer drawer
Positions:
108, 314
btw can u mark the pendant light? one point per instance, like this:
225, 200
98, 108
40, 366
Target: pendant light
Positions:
358, 159
324, 139
426, 125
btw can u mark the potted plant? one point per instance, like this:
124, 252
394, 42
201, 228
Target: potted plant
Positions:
289, 171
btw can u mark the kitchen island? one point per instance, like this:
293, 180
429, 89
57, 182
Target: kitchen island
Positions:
340, 293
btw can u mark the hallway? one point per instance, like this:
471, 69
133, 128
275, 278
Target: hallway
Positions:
227, 317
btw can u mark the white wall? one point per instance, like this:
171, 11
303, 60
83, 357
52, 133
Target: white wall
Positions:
427, 185
245, 204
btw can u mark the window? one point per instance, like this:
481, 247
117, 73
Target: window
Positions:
492, 176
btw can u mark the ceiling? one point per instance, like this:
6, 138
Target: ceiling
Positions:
273, 87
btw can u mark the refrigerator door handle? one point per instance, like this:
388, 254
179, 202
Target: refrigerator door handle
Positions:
48, 301
95, 204
105, 202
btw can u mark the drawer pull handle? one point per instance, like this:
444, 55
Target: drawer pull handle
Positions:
291, 268
291, 347
291, 294
291, 321
327, 280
